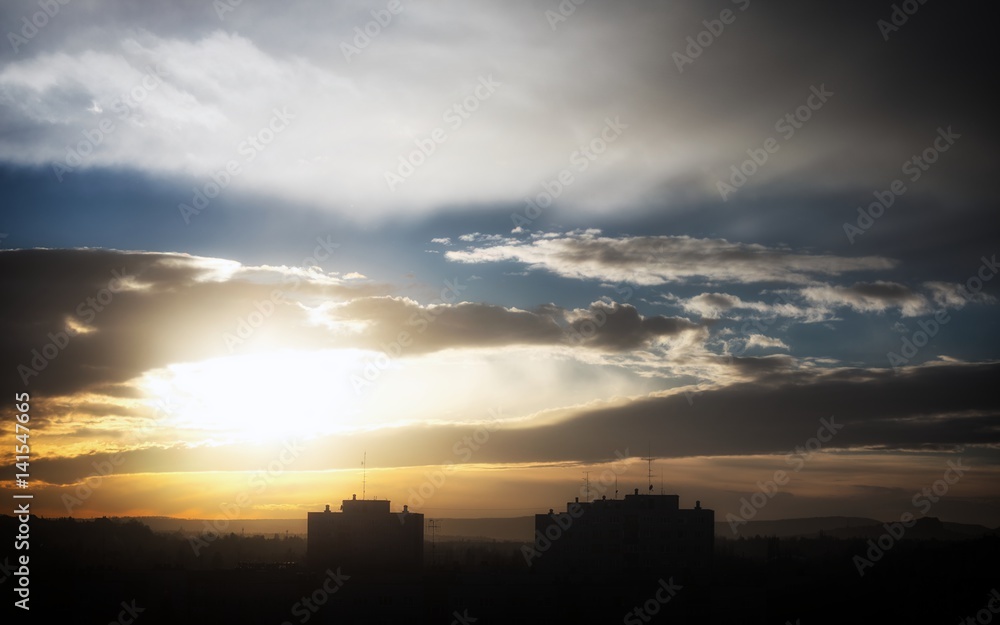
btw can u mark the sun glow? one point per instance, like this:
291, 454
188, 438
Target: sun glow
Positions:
260, 396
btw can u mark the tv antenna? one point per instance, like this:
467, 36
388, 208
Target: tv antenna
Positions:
586, 486
433, 525
649, 472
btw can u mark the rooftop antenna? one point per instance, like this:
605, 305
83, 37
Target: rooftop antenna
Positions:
364, 474
586, 486
649, 473
616, 486
432, 523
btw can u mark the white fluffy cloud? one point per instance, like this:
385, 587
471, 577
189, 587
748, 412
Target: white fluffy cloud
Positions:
870, 297
759, 340
654, 260
954, 295
358, 115
719, 305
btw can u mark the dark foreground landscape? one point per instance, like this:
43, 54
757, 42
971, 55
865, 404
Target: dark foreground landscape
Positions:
121, 571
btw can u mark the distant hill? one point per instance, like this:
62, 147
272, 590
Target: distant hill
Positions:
925, 528
521, 529
266, 527
793, 527
853, 527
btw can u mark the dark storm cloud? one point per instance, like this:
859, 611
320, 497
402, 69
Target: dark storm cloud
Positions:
604, 326
930, 407
618, 327
440, 326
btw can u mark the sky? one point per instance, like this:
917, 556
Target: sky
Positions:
468, 256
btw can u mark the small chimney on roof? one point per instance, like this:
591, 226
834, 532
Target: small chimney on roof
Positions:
637, 491
327, 508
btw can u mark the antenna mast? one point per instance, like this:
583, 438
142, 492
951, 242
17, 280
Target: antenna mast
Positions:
586, 486
649, 471
432, 524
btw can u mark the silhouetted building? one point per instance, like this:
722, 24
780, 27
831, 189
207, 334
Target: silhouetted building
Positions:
366, 537
640, 535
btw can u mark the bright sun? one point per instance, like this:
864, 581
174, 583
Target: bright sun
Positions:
259, 397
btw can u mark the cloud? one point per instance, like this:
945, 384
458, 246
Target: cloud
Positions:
759, 340
712, 304
606, 326
655, 260
954, 295
620, 327
87, 319
930, 408
169, 106
358, 117
183, 103
870, 297
718, 305
479, 237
